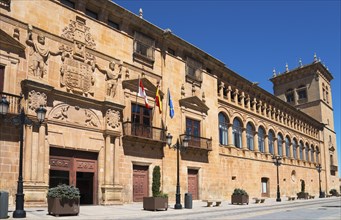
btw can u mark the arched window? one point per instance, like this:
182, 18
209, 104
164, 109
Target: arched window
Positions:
249, 136
271, 142
223, 125
261, 136
287, 146
237, 133
307, 152
294, 148
312, 153
280, 144
301, 150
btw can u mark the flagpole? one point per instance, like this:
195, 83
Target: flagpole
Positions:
167, 102
137, 93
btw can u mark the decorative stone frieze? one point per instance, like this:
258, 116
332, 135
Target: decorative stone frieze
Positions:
75, 115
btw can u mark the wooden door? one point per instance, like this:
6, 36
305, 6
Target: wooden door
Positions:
140, 183
193, 183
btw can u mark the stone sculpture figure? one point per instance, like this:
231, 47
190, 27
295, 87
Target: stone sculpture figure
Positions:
39, 53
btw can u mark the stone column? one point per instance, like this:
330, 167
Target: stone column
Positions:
28, 154
255, 142
291, 150
242, 99
41, 153
116, 161
254, 102
275, 146
266, 144
109, 161
230, 135
248, 104
229, 93
236, 96
221, 90
244, 147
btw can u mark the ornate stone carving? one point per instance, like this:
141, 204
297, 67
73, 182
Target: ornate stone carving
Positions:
54, 162
75, 115
77, 76
78, 64
113, 118
39, 54
112, 76
36, 99
78, 31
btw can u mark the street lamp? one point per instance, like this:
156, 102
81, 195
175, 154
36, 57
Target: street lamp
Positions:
20, 120
319, 169
277, 162
178, 147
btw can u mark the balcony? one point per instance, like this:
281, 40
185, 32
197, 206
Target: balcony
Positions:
196, 142
14, 100
139, 132
333, 168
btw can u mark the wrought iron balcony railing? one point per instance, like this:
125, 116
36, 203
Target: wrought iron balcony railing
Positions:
198, 142
14, 100
143, 131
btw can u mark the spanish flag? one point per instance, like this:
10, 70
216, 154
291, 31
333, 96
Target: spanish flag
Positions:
158, 101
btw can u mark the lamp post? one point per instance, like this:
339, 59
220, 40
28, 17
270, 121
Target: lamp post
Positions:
319, 169
277, 161
20, 120
178, 147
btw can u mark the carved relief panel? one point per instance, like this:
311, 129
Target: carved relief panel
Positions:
76, 115
113, 119
36, 99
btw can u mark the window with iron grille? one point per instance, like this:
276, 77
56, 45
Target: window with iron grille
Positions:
193, 69
144, 45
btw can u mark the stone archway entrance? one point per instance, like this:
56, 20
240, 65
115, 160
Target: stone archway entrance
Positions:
76, 168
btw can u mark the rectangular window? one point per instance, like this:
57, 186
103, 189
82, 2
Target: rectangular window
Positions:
90, 13
302, 94
2, 78
113, 24
265, 186
144, 45
193, 130
193, 69
68, 3
141, 121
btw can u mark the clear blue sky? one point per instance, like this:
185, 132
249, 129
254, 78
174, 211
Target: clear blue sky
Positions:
253, 37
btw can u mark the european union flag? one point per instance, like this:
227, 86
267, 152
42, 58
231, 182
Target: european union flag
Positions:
170, 104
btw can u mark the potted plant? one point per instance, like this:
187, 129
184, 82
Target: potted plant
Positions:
302, 194
239, 196
159, 199
63, 200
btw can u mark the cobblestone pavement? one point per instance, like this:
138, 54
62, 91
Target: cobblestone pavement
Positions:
326, 208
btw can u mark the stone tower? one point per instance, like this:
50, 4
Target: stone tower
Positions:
308, 88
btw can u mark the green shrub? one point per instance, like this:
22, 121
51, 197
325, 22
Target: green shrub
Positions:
156, 183
302, 186
64, 192
238, 191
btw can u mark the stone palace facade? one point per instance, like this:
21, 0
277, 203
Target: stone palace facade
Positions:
83, 61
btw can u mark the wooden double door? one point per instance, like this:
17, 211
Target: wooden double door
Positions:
75, 168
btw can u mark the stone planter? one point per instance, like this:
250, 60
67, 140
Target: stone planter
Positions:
57, 206
240, 199
155, 203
